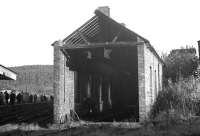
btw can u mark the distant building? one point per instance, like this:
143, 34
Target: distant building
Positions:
189, 50
107, 64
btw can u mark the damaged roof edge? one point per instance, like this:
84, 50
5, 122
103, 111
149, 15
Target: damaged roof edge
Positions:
99, 13
65, 39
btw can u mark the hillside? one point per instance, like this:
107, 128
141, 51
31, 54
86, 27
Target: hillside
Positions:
32, 79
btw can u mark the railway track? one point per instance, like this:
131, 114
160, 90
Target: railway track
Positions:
41, 113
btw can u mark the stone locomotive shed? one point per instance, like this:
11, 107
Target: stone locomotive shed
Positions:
105, 62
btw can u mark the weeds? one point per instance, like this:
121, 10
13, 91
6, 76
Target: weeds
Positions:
176, 99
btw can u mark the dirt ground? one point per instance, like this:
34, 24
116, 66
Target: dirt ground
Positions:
105, 129
25, 122
84, 129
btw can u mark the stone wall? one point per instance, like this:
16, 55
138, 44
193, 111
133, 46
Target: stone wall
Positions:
153, 77
149, 82
149, 78
63, 86
141, 83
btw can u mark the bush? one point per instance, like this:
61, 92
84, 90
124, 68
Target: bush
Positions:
177, 98
166, 100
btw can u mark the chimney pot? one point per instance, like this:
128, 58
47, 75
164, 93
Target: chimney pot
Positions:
105, 10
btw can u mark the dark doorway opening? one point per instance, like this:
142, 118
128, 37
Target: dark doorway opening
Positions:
106, 83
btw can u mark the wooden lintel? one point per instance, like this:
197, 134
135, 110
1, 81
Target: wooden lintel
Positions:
100, 45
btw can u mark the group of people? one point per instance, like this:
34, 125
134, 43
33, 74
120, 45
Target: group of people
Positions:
19, 98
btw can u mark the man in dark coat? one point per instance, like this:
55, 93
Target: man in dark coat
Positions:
19, 98
31, 98
35, 98
6, 96
1, 98
12, 98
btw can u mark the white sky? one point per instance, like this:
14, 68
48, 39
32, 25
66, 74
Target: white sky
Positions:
29, 27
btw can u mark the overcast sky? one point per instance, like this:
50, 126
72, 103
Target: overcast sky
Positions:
29, 27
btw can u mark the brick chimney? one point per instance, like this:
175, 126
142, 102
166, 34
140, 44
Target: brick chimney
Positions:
105, 10
199, 48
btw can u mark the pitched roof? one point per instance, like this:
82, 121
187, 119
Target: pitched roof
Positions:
101, 29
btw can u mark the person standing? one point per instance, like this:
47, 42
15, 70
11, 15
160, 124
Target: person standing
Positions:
35, 98
30, 98
1, 98
19, 98
6, 96
12, 98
